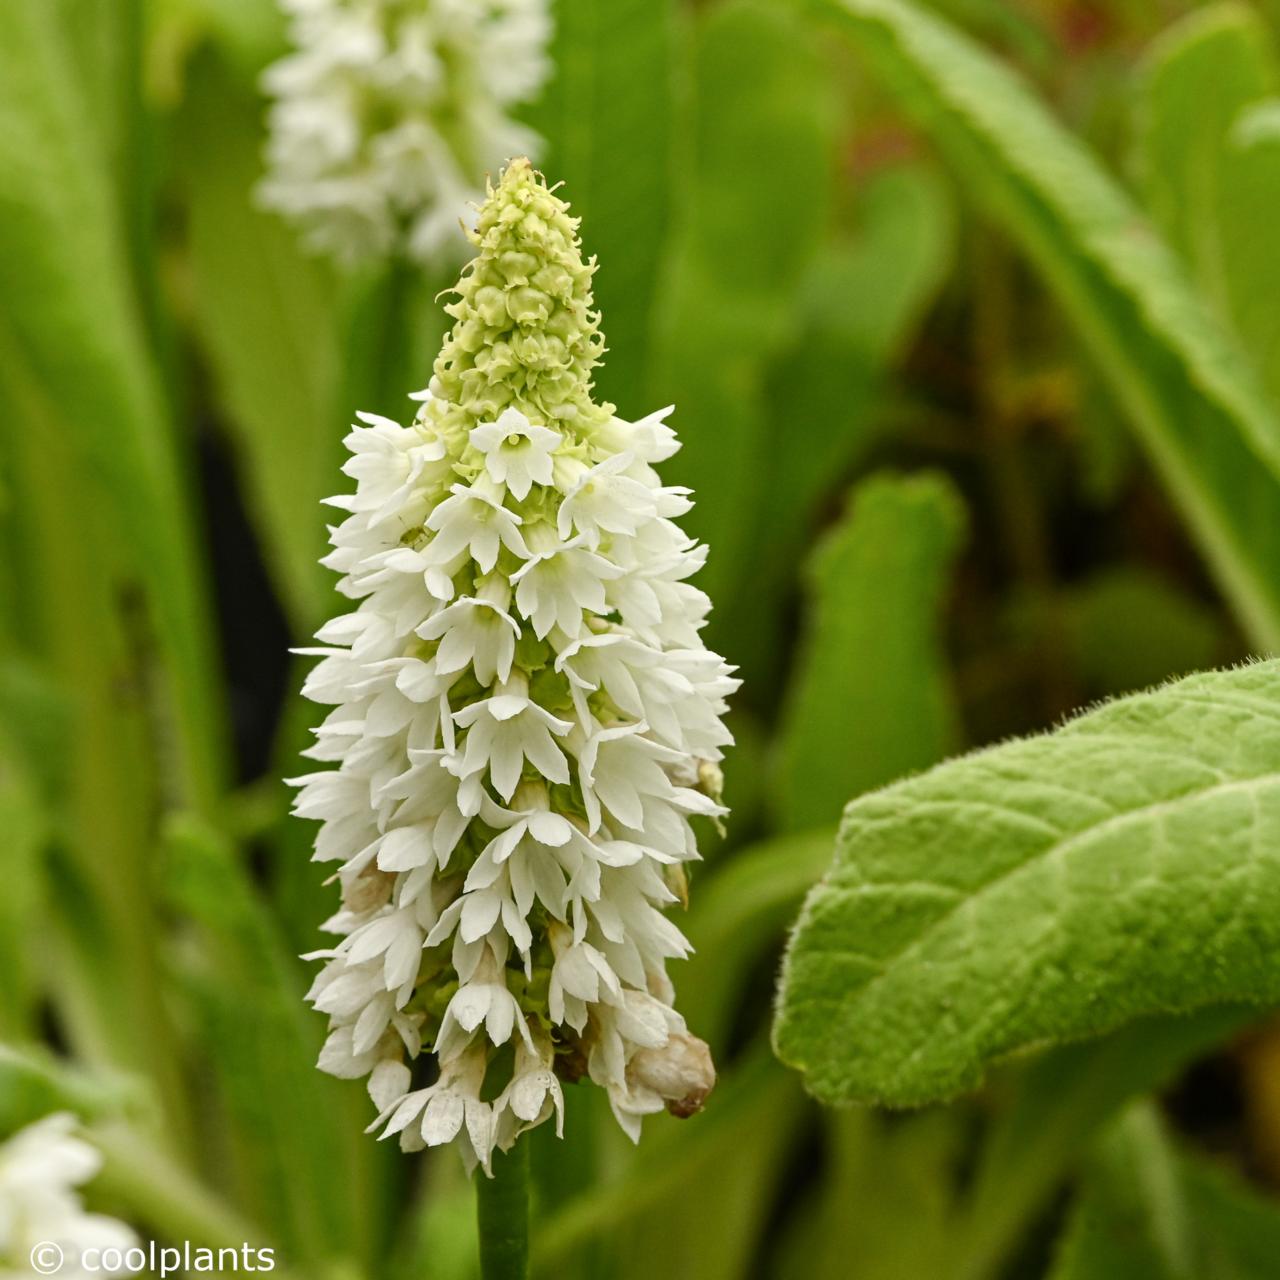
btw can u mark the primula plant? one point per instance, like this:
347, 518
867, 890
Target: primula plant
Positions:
968, 310
526, 723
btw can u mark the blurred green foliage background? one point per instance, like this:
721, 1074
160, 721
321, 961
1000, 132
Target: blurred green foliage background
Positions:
972, 398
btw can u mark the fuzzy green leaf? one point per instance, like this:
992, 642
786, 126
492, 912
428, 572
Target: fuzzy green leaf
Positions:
1182, 130
1042, 891
1250, 208
1209, 164
1187, 388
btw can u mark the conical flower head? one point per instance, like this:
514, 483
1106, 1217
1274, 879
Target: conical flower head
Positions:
526, 723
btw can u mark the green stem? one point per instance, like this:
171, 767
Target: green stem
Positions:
502, 1208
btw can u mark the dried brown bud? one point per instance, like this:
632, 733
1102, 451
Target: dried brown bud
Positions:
681, 1072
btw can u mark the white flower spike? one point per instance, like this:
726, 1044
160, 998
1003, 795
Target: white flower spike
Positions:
388, 112
41, 1169
526, 723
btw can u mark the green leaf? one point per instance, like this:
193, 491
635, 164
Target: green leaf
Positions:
26, 831
104, 37
34, 1083
1129, 629
297, 1133
736, 914
859, 304
870, 700
1187, 388
1150, 1212
608, 116
1131, 1224
266, 316
766, 104
1250, 207
1209, 164
89, 737
1044, 890
70, 316
1051, 1110
1182, 130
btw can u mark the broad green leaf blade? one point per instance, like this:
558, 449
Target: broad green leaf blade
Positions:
1129, 628
1182, 129
735, 915
1051, 1111
1249, 212
888, 1185
89, 739
1190, 392
1209, 164
1131, 1223
105, 39
297, 1133
67, 306
608, 117
768, 105
870, 700
265, 314
1150, 1212
1042, 891
861, 300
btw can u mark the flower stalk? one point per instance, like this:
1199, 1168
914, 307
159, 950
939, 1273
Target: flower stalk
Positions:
502, 1212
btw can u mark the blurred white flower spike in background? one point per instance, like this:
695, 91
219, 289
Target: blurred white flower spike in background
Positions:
387, 114
43, 1222
525, 723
